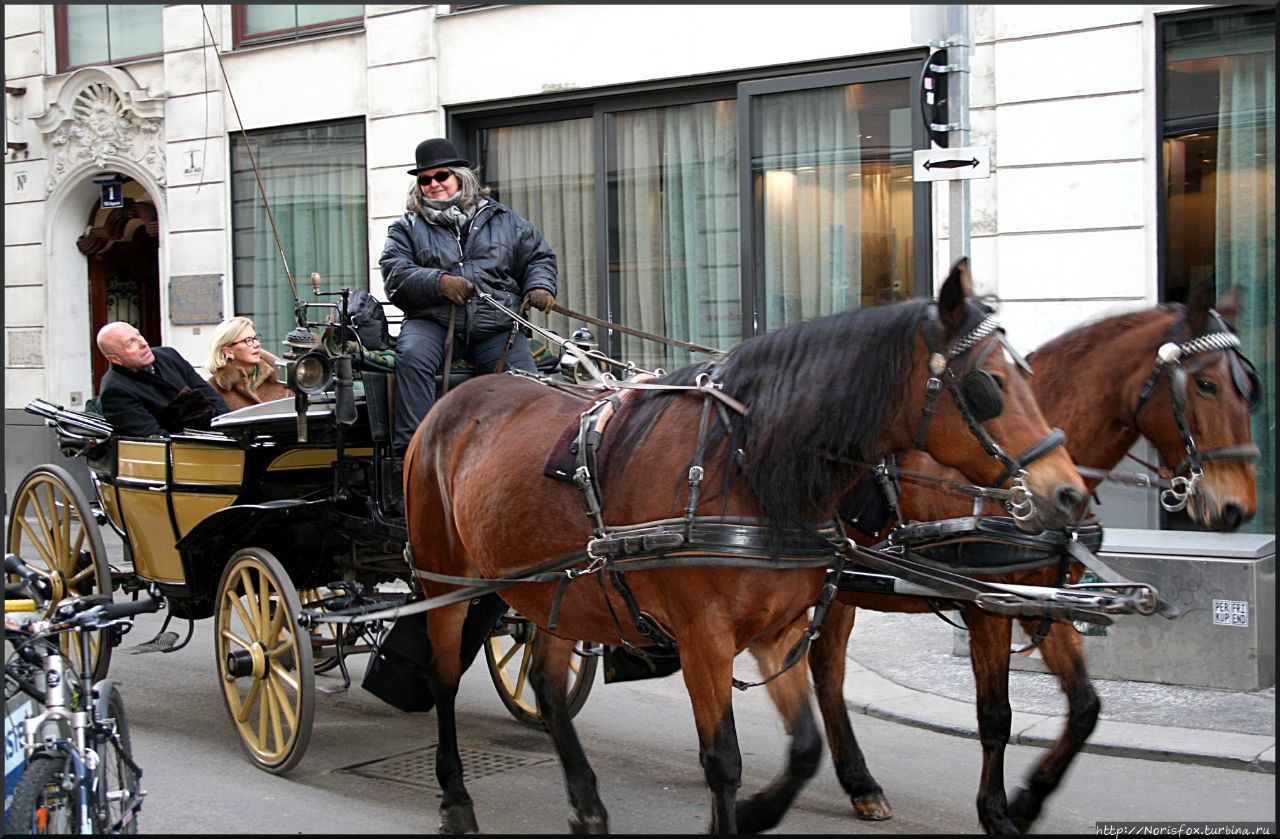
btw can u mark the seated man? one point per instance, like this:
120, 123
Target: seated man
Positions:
148, 392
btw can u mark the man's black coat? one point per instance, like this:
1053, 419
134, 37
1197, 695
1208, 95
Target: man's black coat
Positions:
138, 404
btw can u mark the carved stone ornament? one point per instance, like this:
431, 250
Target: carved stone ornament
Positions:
102, 116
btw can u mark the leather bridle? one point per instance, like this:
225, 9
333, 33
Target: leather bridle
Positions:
1171, 361
978, 397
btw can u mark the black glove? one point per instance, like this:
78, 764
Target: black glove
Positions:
456, 288
540, 299
189, 409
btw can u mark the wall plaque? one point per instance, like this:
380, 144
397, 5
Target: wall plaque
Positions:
195, 299
26, 347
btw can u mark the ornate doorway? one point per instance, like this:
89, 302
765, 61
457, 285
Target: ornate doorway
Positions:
123, 248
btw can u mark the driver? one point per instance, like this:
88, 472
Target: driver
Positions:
151, 391
451, 241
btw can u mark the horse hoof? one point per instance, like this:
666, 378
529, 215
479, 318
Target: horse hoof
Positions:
458, 819
873, 807
579, 825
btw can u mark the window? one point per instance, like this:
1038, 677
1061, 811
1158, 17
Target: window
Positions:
266, 22
314, 178
1218, 208
89, 34
710, 215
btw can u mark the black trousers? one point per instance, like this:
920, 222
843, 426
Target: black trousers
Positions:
419, 356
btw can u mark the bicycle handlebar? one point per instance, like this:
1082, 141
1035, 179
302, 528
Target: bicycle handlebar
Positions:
14, 565
86, 614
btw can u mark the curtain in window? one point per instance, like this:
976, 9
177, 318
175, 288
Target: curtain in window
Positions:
314, 177
675, 215
545, 172
1245, 239
810, 170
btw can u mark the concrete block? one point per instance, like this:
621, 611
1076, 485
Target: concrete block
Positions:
24, 265
23, 224
390, 141
1092, 264
1022, 21
1084, 197
24, 305
394, 88
184, 26
394, 39
199, 162
22, 53
193, 70
1071, 131
198, 252
1115, 64
197, 208
25, 180
193, 117
21, 19
1028, 324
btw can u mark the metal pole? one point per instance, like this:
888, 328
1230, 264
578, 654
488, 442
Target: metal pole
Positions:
959, 46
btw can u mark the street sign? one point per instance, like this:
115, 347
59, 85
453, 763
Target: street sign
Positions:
965, 163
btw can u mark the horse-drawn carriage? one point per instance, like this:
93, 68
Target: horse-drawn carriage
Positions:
285, 523
282, 505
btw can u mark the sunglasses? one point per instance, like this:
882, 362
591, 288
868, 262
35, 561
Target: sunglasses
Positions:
250, 341
438, 177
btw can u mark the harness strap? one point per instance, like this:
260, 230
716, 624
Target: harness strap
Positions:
448, 351
1036, 451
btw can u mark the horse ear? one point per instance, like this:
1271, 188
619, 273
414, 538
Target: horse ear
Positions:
1198, 303
955, 291
1229, 305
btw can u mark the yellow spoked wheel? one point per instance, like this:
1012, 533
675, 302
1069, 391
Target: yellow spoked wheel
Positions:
51, 526
508, 651
264, 660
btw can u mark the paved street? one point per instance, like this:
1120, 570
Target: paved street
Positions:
369, 766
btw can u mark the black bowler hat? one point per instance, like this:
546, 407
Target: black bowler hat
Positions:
436, 152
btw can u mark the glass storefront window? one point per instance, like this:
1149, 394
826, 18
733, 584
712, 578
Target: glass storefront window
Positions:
260, 22
1217, 98
737, 209
832, 167
314, 177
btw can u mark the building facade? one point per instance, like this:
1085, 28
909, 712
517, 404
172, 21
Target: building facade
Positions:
715, 173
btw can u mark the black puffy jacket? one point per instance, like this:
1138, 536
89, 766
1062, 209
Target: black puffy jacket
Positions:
504, 255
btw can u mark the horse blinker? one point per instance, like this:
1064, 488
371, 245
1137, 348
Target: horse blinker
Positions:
982, 395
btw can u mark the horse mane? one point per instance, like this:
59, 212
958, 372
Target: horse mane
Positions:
1073, 347
822, 385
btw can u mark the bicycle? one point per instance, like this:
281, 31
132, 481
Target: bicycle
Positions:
80, 775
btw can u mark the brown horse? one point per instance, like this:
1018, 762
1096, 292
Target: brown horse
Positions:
852, 384
1090, 382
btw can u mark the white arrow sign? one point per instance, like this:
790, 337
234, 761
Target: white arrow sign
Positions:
951, 164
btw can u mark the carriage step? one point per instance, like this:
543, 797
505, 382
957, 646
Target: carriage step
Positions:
331, 689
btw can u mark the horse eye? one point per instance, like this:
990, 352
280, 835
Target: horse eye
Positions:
1206, 387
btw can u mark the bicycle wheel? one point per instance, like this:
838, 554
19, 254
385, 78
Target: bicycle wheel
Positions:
41, 805
121, 779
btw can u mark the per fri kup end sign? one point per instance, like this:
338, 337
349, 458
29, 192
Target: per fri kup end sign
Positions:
958, 164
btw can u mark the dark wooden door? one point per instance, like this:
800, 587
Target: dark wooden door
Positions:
124, 284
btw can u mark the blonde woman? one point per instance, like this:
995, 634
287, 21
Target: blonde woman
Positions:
243, 372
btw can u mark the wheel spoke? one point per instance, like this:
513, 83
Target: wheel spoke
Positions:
524, 671
283, 697
273, 710
41, 545
238, 604
515, 648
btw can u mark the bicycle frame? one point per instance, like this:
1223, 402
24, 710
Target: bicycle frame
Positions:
78, 733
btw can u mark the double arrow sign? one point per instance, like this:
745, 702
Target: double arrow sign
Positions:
952, 164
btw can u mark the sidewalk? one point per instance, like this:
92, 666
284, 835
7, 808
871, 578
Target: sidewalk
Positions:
901, 668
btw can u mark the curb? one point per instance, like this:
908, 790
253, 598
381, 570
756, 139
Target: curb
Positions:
869, 693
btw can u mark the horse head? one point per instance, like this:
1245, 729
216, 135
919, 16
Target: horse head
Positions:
1193, 404
995, 432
